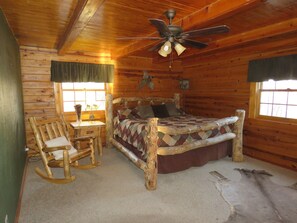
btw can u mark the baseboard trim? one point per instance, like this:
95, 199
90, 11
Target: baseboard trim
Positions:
18, 210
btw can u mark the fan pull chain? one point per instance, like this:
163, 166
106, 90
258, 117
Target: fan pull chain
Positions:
171, 61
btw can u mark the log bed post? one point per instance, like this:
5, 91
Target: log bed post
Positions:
109, 120
177, 100
237, 155
151, 170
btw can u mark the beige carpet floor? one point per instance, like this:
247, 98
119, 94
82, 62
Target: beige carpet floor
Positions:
115, 192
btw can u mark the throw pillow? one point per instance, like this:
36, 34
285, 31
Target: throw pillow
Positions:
160, 111
145, 111
172, 110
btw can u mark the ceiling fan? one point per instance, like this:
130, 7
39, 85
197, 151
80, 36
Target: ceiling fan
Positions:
173, 36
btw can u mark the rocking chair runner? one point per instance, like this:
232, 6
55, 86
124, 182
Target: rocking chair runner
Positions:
55, 149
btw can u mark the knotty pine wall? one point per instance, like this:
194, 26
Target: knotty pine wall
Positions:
39, 92
219, 86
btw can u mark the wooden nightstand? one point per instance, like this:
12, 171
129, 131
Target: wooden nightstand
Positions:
85, 125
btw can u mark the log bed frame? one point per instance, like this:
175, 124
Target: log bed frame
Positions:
150, 167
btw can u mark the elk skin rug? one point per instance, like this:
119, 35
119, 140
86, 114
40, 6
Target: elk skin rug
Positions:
256, 199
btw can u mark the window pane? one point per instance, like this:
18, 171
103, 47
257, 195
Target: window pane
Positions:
101, 105
280, 97
292, 84
100, 86
282, 84
279, 110
100, 95
95, 86
80, 96
265, 109
79, 86
89, 93
292, 98
68, 95
268, 85
292, 112
90, 96
266, 97
68, 106
67, 85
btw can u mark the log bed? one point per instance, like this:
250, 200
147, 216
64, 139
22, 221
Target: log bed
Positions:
150, 166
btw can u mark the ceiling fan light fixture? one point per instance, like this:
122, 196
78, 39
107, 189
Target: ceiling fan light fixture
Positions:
179, 48
165, 49
162, 53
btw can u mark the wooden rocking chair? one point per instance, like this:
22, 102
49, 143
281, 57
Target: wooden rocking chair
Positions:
55, 149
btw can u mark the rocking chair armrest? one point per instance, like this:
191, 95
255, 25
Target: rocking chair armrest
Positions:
83, 138
56, 148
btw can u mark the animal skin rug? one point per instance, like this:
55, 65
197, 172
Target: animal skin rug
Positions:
255, 198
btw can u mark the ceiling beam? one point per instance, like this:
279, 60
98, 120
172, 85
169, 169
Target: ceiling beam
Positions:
274, 30
215, 11
82, 14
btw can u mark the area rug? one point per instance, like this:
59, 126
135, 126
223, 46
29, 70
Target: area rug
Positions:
255, 198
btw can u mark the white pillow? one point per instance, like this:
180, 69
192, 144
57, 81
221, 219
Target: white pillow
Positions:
60, 141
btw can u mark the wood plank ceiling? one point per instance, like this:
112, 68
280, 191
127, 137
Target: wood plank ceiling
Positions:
92, 26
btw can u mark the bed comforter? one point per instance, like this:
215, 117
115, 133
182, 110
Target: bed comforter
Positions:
133, 131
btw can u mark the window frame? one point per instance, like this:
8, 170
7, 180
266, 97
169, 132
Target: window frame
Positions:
60, 102
254, 105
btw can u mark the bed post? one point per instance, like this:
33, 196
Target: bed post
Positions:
237, 155
151, 170
177, 100
109, 120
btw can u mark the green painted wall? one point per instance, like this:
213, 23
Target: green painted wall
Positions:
12, 131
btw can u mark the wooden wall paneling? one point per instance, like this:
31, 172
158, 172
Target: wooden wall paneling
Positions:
218, 86
39, 92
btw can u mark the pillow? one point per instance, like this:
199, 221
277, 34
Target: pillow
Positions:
160, 111
172, 110
145, 111
60, 141
128, 113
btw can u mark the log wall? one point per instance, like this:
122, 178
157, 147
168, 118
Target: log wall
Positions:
39, 92
218, 86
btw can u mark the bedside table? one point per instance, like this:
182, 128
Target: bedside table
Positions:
78, 126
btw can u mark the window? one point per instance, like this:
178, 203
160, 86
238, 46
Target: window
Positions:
277, 99
90, 95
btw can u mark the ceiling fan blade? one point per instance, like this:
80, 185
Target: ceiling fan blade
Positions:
161, 27
139, 38
206, 31
157, 47
192, 43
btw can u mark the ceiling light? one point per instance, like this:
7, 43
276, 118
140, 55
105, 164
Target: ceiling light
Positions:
165, 49
179, 48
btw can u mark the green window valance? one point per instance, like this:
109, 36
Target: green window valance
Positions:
81, 72
276, 68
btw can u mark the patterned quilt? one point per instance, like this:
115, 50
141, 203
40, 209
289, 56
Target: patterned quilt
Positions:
132, 131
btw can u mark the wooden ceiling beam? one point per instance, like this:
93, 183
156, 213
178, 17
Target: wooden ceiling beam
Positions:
84, 11
215, 11
273, 30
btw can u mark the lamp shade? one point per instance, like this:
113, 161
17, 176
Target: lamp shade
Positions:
179, 48
162, 52
165, 49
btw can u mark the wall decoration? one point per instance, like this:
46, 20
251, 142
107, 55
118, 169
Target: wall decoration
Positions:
146, 80
184, 84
